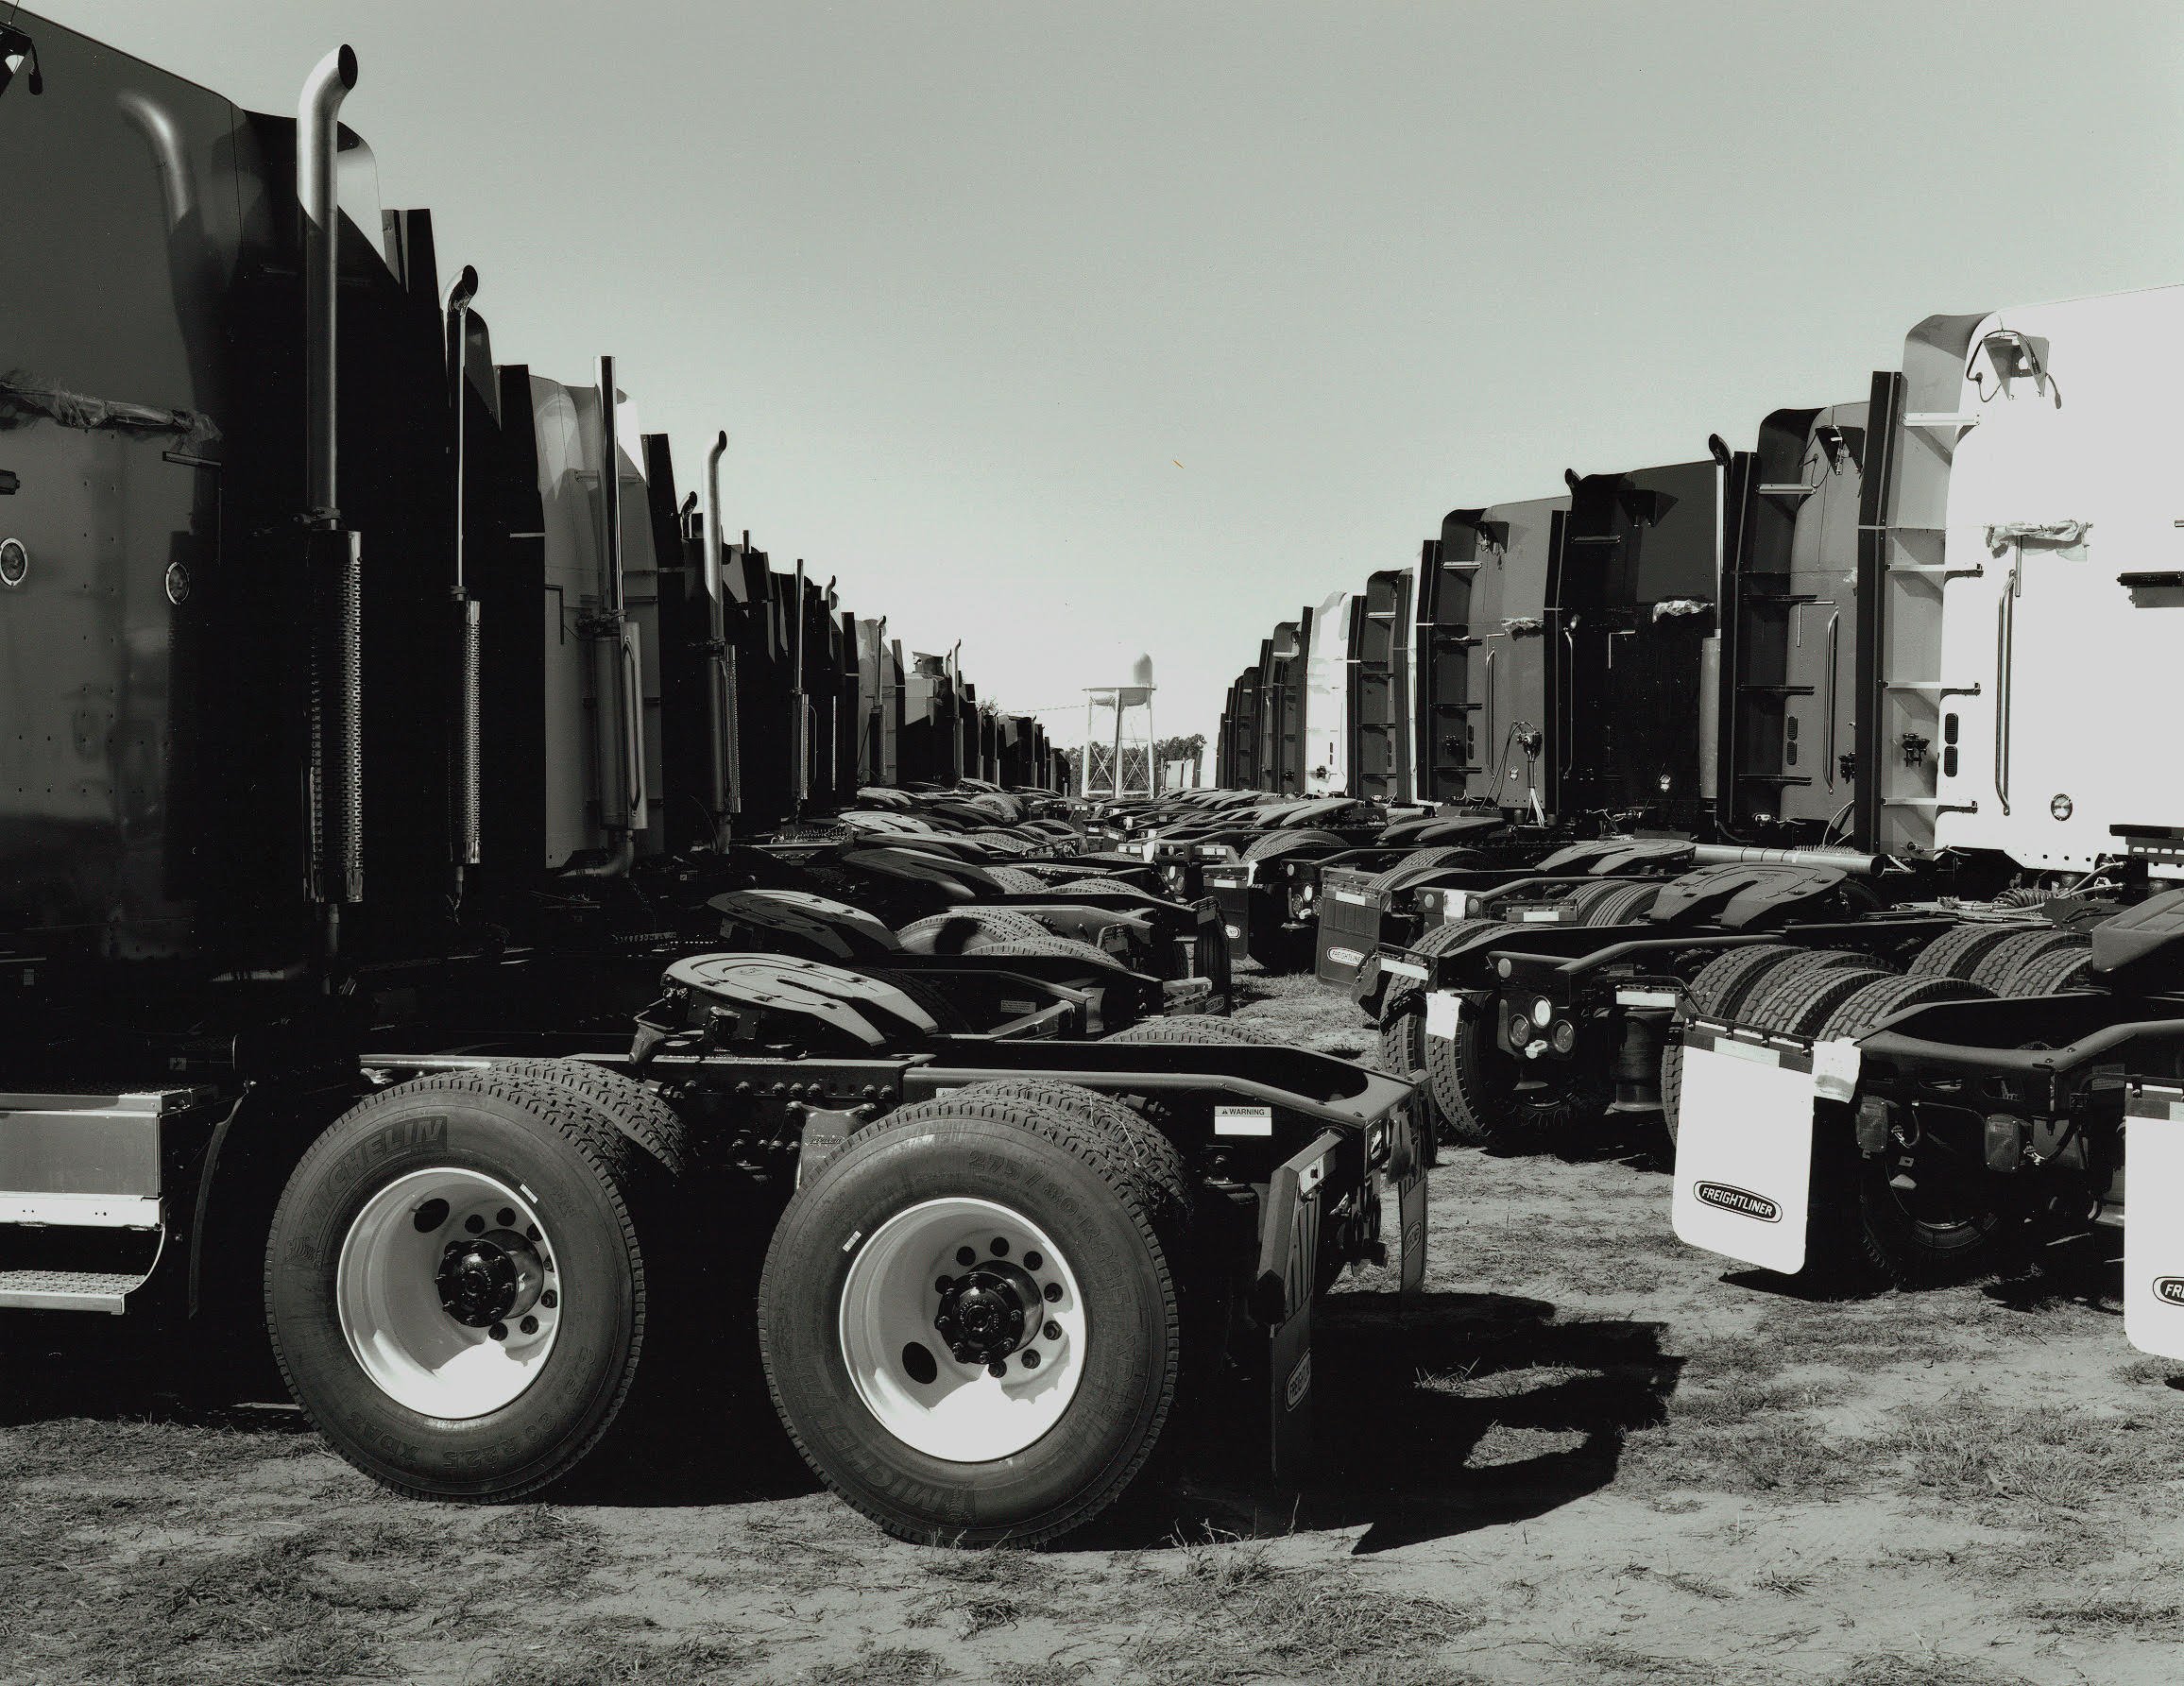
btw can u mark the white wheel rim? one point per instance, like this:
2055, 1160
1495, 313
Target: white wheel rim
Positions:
387, 1294
891, 1297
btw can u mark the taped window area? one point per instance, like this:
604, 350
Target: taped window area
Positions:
24, 400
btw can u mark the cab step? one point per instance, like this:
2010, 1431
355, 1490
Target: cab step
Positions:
69, 1290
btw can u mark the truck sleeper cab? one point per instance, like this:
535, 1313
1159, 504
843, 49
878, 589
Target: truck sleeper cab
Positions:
2052, 580
271, 1052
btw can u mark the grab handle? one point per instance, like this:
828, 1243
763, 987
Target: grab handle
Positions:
2005, 638
1834, 645
1490, 736
1570, 712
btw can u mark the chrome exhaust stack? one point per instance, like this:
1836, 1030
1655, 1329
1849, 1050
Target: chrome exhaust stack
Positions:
334, 844
725, 767
618, 686
799, 712
317, 191
466, 792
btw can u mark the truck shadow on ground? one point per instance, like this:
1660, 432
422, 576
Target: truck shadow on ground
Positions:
1435, 1416
1639, 1140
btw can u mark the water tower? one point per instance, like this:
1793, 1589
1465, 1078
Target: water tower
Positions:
1119, 735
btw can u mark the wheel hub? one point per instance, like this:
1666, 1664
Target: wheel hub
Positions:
488, 1279
987, 1312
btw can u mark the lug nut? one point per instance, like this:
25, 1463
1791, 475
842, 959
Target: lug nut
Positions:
1053, 1292
997, 1370
1053, 1332
499, 1332
549, 1299
529, 1326
1031, 1358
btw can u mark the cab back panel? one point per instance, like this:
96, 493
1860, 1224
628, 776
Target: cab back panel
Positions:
1792, 645
1632, 597
1904, 581
2063, 495
1384, 710
1518, 544
1447, 729
111, 784
1329, 713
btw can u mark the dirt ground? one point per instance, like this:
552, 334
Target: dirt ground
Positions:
1586, 1453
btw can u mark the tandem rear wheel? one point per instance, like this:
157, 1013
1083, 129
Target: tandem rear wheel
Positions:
463, 1272
972, 1320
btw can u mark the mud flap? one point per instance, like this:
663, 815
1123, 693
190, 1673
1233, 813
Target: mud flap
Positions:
2153, 1240
1287, 1278
1403, 1203
1744, 1150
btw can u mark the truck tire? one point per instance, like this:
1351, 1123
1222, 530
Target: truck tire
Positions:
1577, 906
438, 1210
1995, 967
1289, 842
1104, 887
2053, 973
1628, 905
1863, 1013
949, 933
1956, 953
1931, 1213
1014, 880
1491, 1099
1403, 1033
1051, 1222
1194, 1028
1812, 994
938, 1008
1420, 860
1717, 991
1149, 1149
1780, 992
638, 1110
1047, 943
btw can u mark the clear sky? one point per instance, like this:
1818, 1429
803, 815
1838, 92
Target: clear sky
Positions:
1075, 330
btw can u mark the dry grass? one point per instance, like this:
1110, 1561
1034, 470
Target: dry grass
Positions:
1229, 1612
1306, 1014
1587, 1454
878, 1665
607, 1651
1892, 1669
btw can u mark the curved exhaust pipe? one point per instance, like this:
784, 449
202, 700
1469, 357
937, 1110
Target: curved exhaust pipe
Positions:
466, 801
318, 190
332, 563
725, 769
